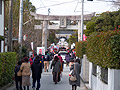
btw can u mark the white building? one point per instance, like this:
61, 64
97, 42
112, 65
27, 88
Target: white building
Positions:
99, 78
103, 79
1, 24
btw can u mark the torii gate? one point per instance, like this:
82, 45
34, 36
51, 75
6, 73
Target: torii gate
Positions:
63, 24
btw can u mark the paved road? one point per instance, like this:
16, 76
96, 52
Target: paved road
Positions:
48, 84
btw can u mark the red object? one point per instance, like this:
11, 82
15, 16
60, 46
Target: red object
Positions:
33, 53
60, 58
84, 37
31, 61
40, 51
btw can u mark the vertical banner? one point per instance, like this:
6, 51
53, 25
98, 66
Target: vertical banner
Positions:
84, 37
32, 47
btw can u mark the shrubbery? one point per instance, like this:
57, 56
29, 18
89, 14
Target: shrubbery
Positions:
7, 65
103, 49
80, 48
1, 37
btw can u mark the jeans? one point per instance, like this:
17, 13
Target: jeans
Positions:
38, 83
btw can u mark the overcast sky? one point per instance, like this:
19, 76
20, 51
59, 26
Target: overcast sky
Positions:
71, 7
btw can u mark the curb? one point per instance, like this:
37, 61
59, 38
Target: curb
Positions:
85, 83
6, 86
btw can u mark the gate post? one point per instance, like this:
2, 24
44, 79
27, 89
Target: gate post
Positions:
44, 34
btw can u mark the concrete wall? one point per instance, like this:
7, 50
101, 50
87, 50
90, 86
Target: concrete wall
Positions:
113, 80
85, 69
2, 26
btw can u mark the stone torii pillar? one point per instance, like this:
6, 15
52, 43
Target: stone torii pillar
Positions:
44, 34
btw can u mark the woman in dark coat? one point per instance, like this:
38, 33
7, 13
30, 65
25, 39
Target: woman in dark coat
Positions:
36, 72
18, 79
77, 69
56, 69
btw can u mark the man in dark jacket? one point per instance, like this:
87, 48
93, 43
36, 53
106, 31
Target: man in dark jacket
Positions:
18, 79
36, 72
46, 61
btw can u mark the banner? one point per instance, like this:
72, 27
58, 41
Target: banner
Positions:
84, 37
41, 50
32, 45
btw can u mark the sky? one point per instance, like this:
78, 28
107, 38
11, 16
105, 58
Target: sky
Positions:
71, 7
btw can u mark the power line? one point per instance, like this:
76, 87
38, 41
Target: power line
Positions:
56, 4
76, 6
43, 4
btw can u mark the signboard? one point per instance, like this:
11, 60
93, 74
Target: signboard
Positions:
41, 50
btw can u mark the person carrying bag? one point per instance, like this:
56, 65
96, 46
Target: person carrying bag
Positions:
72, 75
74, 78
18, 76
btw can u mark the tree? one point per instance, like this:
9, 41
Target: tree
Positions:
52, 38
28, 7
103, 22
73, 38
116, 4
90, 27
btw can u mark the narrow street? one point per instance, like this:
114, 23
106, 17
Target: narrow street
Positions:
48, 84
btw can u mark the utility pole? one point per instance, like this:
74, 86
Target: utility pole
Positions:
82, 18
20, 27
10, 26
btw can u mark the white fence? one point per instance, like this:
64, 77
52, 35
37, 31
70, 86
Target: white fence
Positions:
96, 82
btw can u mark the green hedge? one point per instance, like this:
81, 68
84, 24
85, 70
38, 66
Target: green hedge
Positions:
80, 48
7, 65
1, 37
103, 49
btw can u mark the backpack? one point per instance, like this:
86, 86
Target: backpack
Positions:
47, 58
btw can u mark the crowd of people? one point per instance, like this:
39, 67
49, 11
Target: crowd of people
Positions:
35, 65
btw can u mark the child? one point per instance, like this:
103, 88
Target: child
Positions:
18, 79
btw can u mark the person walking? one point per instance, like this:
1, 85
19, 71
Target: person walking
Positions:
56, 69
36, 72
31, 59
67, 58
18, 79
25, 68
46, 61
76, 68
62, 65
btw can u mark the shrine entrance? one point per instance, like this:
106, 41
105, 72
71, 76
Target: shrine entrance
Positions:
65, 23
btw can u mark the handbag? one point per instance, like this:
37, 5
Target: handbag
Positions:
73, 77
19, 73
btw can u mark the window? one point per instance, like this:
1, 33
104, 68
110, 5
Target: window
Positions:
0, 6
94, 69
104, 75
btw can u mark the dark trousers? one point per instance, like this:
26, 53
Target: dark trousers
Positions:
38, 83
25, 87
18, 82
74, 87
56, 77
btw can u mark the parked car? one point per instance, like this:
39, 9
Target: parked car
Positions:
63, 54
